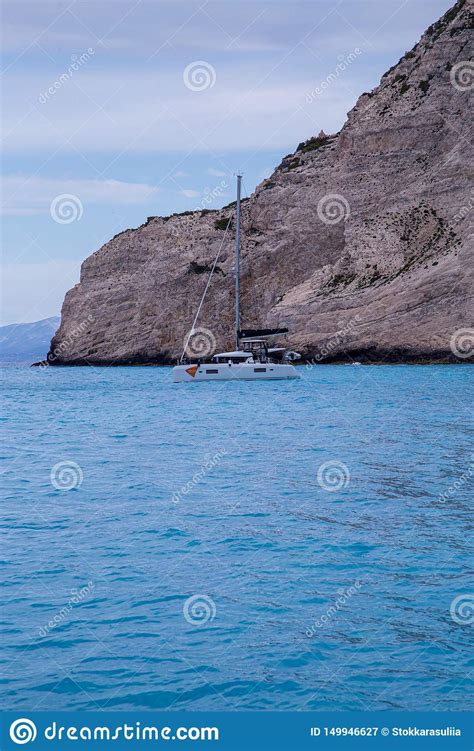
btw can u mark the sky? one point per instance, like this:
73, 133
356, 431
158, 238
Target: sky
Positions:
116, 110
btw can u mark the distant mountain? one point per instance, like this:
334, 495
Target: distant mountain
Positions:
27, 342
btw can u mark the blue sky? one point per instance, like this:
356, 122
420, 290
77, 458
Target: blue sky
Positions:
133, 108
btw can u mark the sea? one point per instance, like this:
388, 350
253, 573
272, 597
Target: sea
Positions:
299, 545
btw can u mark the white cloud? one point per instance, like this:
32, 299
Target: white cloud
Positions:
216, 172
152, 113
24, 196
189, 193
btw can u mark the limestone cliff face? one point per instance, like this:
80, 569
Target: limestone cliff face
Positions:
360, 243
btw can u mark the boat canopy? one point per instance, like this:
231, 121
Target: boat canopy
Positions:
251, 333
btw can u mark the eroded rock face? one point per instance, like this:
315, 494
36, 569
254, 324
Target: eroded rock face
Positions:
360, 243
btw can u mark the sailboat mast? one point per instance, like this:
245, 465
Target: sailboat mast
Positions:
237, 264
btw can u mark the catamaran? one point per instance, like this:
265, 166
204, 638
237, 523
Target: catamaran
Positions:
253, 359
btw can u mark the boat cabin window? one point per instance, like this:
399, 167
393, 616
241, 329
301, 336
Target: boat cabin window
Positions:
231, 358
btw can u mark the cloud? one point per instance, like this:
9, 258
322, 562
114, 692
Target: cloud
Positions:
121, 115
128, 100
216, 172
141, 28
24, 196
189, 193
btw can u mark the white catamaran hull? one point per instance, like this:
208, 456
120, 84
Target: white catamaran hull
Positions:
235, 372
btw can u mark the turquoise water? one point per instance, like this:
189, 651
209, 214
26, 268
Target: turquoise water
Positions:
315, 523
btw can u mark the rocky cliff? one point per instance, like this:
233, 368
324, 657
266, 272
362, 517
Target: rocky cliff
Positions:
360, 242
